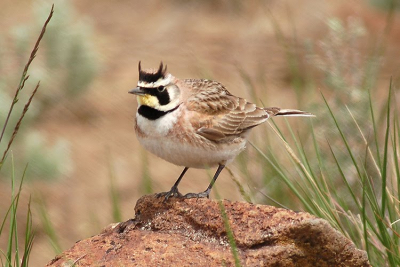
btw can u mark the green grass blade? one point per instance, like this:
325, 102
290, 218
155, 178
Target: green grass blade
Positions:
349, 150
13, 219
378, 156
306, 173
147, 184
229, 233
13, 243
385, 155
48, 227
381, 223
284, 177
243, 192
29, 236
114, 195
368, 150
364, 216
13, 200
396, 137
228, 229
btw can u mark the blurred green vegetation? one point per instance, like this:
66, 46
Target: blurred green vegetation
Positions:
18, 249
343, 165
19, 245
385, 4
66, 67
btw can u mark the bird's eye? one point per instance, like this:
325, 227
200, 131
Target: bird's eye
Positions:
161, 89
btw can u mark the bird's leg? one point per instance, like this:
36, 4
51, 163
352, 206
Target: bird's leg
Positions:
208, 190
174, 189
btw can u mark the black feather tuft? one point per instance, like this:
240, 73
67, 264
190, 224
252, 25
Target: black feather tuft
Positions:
150, 77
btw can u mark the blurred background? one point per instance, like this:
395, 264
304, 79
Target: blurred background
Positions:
86, 168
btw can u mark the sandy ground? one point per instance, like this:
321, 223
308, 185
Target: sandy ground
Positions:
195, 39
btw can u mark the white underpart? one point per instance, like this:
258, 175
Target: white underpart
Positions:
159, 127
178, 152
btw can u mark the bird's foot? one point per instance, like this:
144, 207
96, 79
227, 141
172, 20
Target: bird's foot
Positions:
205, 194
174, 192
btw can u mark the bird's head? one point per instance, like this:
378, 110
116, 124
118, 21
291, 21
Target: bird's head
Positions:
157, 89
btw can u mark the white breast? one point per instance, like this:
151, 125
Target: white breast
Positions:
159, 127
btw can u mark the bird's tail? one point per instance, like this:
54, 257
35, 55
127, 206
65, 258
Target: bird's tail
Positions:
288, 112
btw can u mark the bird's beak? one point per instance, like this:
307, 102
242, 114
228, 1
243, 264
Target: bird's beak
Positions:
137, 91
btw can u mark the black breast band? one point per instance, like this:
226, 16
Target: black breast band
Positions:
152, 113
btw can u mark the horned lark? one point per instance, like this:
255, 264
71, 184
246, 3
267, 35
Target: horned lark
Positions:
194, 123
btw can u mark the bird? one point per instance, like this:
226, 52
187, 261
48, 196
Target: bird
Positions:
194, 123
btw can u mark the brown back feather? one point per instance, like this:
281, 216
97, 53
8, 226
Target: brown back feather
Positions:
231, 115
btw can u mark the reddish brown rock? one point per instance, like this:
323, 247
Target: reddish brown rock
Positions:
192, 232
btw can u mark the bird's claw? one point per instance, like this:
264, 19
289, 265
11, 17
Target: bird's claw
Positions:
172, 193
204, 194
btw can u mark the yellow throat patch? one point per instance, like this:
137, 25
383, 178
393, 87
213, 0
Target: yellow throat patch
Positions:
148, 100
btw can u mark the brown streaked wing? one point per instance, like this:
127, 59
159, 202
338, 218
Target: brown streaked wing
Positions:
211, 134
226, 114
210, 97
245, 116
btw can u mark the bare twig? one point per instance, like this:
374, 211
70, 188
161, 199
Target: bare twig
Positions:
25, 75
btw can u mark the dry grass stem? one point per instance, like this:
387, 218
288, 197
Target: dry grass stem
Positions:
21, 85
19, 123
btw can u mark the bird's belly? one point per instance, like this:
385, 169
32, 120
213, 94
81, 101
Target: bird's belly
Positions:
187, 155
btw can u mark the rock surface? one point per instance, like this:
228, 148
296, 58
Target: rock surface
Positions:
192, 232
